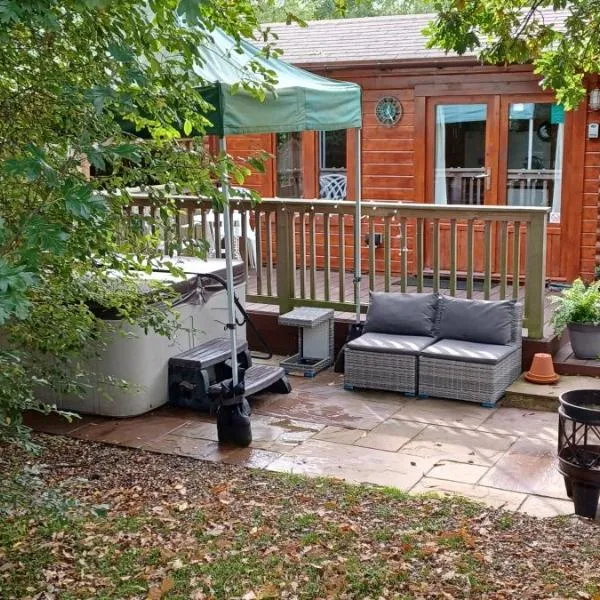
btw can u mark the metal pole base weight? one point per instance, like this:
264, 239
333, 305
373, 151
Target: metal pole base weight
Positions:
233, 414
233, 425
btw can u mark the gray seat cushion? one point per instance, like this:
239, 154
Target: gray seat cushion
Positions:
401, 314
476, 320
391, 344
472, 352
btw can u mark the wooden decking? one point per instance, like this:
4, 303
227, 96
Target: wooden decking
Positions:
379, 285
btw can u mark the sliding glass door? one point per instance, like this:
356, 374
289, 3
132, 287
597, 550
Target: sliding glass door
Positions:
461, 174
534, 155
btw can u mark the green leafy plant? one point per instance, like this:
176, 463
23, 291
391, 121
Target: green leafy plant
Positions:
578, 304
110, 84
561, 50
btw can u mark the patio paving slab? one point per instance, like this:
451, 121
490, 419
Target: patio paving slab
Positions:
523, 423
268, 433
340, 435
489, 496
502, 457
456, 471
55, 424
450, 413
253, 458
539, 506
342, 409
529, 467
188, 446
352, 463
459, 445
390, 435
134, 432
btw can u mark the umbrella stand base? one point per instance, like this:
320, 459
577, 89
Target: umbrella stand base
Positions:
233, 425
354, 331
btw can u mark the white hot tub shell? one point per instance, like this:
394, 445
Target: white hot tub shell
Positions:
141, 359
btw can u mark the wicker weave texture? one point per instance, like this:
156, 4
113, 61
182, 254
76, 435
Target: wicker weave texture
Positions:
380, 371
473, 382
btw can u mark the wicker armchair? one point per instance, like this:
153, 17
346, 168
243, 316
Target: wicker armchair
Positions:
471, 371
383, 361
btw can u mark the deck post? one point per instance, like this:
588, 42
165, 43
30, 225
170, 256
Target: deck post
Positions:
285, 262
535, 276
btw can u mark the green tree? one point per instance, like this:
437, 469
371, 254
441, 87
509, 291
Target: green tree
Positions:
517, 31
110, 82
308, 10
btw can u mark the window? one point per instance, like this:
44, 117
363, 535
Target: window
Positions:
332, 155
289, 165
460, 153
332, 164
535, 155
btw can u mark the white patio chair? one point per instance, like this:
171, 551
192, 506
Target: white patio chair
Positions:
333, 186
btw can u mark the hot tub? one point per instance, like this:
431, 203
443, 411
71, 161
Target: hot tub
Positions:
142, 359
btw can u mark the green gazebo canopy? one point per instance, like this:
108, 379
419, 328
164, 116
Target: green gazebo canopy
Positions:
300, 100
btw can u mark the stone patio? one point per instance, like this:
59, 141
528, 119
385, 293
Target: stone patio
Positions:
502, 456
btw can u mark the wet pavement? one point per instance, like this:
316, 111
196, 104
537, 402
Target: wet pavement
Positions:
502, 456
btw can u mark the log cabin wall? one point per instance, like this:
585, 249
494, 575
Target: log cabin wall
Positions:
590, 189
397, 161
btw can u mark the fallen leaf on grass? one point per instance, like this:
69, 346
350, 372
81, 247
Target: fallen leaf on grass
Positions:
158, 591
270, 590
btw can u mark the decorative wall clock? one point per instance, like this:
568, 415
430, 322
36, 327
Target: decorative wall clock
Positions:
388, 111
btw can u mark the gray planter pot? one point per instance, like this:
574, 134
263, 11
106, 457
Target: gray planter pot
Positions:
585, 340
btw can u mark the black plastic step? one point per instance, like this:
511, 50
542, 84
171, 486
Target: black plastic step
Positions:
260, 378
207, 354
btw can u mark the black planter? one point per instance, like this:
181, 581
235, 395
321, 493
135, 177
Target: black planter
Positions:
579, 448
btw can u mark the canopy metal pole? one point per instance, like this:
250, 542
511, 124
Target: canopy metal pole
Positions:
231, 325
357, 220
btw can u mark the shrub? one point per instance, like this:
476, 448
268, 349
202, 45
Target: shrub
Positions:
577, 304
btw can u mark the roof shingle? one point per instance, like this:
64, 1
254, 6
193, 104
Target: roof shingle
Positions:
369, 40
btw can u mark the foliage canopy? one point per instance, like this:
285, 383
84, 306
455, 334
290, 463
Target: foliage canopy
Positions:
273, 11
82, 80
520, 31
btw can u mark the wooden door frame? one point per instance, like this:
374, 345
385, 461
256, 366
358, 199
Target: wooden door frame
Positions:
492, 102
570, 225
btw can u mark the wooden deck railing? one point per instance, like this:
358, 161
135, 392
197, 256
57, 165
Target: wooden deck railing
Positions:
304, 250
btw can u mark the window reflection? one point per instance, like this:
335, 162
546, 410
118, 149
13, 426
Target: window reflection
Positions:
535, 154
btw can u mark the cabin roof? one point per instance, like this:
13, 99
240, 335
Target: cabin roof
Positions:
367, 41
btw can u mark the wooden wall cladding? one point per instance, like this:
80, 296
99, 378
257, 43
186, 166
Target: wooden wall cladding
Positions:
590, 212
243, 146
394, 159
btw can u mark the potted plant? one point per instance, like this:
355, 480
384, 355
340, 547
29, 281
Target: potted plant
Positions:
578, 310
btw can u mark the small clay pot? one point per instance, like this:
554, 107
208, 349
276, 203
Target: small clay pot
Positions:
542, 369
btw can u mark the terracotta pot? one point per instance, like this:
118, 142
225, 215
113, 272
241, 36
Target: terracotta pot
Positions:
585, 340
542, 369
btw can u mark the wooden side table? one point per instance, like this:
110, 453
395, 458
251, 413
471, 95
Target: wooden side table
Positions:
315, 340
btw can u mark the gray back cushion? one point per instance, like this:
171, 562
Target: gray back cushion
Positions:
402, 314
476, 320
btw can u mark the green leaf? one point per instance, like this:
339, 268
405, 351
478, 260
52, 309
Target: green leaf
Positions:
187, 127
45, 236
81, 201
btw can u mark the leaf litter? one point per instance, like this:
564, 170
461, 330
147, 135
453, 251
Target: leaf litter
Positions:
156, 527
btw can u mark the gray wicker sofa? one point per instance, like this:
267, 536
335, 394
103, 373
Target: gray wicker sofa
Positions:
438, 346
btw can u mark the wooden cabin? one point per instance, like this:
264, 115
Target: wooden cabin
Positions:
440, 129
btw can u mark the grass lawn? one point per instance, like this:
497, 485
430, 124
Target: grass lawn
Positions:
155, 526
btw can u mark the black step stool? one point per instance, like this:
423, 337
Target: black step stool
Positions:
260, 378
192, 372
